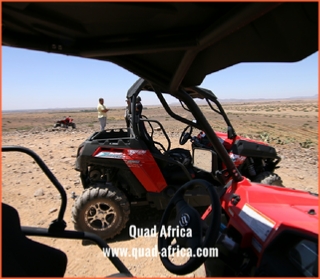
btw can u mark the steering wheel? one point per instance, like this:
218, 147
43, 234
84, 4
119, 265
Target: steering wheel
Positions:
185, 135
188, 222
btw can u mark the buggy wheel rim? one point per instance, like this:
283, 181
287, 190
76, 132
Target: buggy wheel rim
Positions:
100, 216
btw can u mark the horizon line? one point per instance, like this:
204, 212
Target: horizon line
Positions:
315, 96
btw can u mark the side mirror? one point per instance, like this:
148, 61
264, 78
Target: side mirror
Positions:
205, 159
230, 132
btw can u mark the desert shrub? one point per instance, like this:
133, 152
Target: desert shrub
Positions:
88, 110
24, 128
265, 136
270, 126
306, 144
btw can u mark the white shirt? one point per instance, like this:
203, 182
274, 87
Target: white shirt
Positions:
100, 109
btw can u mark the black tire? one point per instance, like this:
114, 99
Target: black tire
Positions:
268, 178
114, 211
73, 125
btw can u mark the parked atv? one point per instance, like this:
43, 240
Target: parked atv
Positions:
256, 161
124, 167
65, 123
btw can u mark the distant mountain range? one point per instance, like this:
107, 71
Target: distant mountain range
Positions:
66, 110
314, 97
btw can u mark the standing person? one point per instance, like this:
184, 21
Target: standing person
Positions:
139, 106
102, 114
127, 113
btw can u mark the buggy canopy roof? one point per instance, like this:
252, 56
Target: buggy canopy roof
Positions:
169, 44
193, 91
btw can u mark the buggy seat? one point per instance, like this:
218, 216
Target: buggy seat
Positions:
23, 257
175, 163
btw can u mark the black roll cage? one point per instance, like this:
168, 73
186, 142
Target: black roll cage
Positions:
57, 227
186, 96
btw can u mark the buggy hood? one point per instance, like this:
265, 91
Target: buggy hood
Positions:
169, 44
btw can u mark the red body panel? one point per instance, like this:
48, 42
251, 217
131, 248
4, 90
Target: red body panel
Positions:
141, 163
227, 143
146, 170
264, 211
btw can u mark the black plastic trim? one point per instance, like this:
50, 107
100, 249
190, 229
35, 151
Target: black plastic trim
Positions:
252, 149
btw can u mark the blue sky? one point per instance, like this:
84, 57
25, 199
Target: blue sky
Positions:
39, 80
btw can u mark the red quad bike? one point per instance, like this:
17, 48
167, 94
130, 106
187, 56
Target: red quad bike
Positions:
65, 123
143, 171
